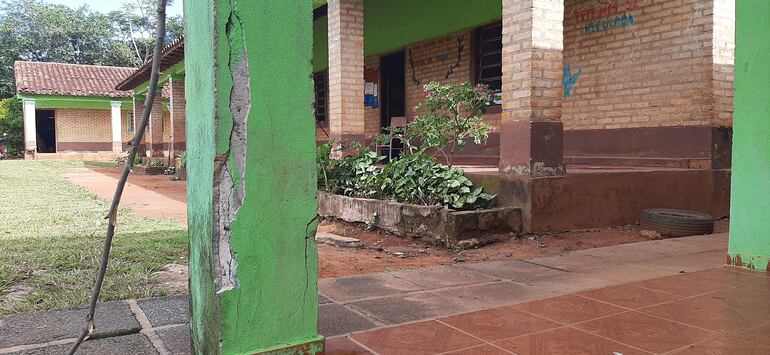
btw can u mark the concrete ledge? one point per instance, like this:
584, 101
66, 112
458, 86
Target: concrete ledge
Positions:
438, 225
146, 170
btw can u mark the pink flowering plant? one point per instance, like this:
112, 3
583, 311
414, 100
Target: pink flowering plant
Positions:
450, 116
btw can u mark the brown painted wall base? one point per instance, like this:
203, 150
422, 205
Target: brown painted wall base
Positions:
695, 147
603, 199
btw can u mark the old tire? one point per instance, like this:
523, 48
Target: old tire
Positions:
676, 223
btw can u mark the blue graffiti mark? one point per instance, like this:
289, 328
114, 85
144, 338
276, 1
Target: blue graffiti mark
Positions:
569, 80
610, 23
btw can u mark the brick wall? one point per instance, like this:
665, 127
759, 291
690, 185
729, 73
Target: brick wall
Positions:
177, 105
346, 66
437, 60
723, 60
651, 70
83, 130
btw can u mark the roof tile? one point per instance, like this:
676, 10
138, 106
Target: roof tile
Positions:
41, 78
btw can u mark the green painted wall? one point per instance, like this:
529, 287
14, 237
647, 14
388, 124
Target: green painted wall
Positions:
750, 204
74, 102
275, 302
175, 71
199, 125
392, 24
320, 44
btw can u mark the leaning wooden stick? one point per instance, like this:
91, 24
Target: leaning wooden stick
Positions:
112, 217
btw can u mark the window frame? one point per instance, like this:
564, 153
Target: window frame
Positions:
325, 75
130, 124
477, 56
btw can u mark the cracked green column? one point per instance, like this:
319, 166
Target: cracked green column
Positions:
251, 177
750, 204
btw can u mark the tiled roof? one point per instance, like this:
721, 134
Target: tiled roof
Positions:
40, 78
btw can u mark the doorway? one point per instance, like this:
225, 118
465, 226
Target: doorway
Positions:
393, 98
45, 122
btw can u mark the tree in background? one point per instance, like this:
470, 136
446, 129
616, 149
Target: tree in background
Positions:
137, 22
12, 125
34, 30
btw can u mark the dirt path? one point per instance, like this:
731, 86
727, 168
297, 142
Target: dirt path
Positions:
149, 196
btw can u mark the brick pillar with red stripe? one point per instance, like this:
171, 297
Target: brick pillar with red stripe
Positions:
531, 137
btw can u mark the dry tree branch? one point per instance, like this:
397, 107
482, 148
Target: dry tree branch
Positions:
88, 330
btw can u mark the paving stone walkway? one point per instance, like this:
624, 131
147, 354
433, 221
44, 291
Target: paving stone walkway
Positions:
372, 313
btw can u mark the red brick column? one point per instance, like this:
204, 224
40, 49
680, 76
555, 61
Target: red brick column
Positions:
177, 112
154, 133
138, 109
531, 136
346, 70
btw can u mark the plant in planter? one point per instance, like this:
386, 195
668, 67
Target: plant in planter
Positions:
355, 175
450, 114
421, 179
414, 178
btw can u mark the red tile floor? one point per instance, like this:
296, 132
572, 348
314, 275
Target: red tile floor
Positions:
716, 311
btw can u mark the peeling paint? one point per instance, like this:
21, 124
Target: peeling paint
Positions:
231, 180
543, 170
520, 170
227, 206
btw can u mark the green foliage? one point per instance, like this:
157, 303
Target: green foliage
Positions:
420, 179
355, 175
414, 178
35, 30
137, 159
450, 114
12, 125
136, 23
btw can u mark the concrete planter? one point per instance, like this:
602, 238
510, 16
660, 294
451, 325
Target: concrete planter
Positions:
437, 225
147, 170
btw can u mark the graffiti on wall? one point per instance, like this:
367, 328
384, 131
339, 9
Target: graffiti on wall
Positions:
605, 15
569, 80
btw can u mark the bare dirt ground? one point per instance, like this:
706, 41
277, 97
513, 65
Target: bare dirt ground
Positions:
382, 251
158, 196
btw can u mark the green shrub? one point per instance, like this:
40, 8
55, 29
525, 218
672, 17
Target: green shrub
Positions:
416, 179
12, 125
421, 179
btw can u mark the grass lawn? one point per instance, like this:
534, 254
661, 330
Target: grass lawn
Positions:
51, 235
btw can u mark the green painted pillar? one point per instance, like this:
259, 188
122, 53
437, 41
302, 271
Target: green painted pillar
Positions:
251, 177
750, 205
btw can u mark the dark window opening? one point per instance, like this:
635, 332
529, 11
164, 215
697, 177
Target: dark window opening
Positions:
489, 59
321, 85
130, 122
